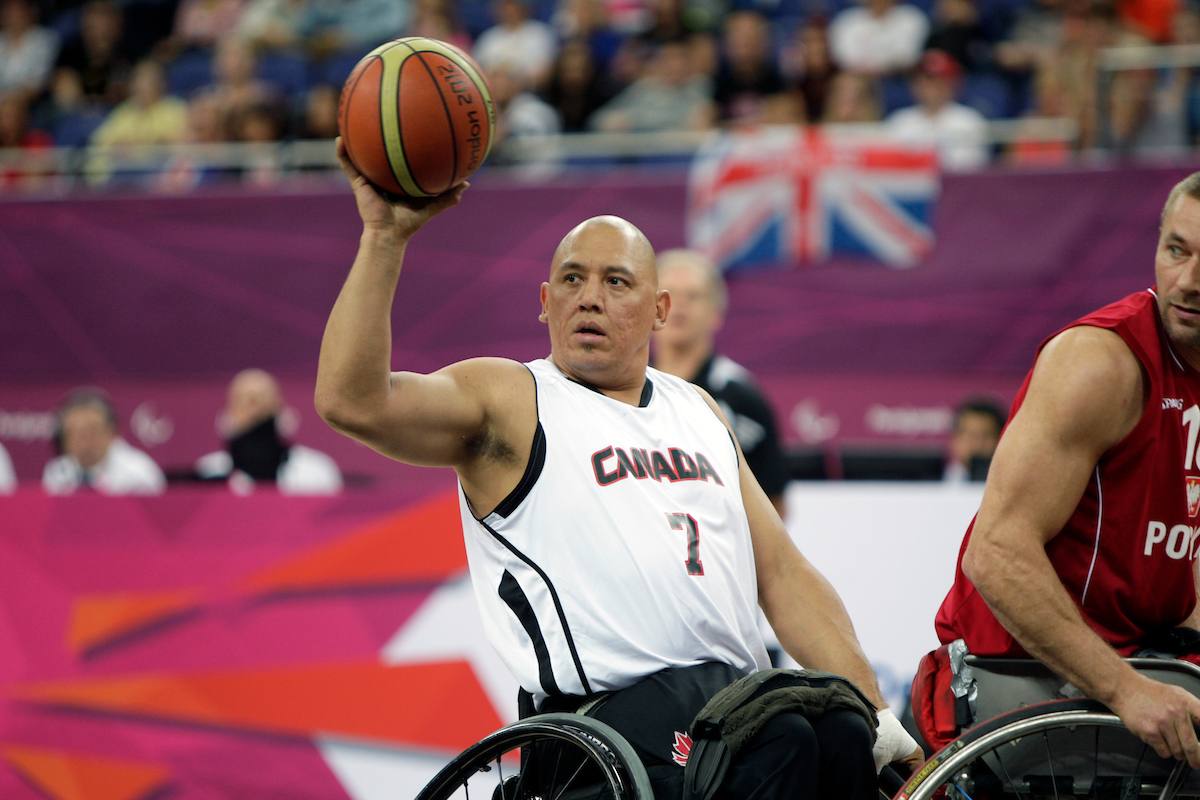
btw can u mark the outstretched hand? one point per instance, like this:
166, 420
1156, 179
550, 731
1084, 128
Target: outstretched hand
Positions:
403, 216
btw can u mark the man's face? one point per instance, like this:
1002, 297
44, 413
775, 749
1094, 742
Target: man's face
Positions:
86, 435
1177, 275
975, 436
602, 303
252, 398
695, 316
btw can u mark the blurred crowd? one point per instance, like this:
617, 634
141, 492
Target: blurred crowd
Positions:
126, 72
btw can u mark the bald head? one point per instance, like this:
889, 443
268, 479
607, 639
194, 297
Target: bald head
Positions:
639, 245
254, 396
699, 264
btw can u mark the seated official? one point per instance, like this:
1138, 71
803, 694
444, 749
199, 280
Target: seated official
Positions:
256, 450
93, 456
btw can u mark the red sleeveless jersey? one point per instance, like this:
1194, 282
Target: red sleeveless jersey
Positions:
1125, 555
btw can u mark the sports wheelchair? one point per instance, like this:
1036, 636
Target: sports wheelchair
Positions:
1034, 740
549, 757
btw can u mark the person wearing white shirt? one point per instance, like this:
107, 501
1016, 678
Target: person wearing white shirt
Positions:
93, 455
879, 37
27, 51
255, 448
959, 132
8, 476
527, 44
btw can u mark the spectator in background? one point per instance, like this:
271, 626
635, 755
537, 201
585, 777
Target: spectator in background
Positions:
668, 98
8, 476
256, 446
352, 26
516, 39
973, 439
521, 113
749, 88
853, 99
686, 347
92, 455
236, 87
149, 116
957, 30
578, 86
272, 24
203, 23
436, 19
31, 164
808, 66
27, 51
879, 37
320, 113
959, 132
96, 59
1067, 82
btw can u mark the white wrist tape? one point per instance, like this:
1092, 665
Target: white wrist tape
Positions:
892, 741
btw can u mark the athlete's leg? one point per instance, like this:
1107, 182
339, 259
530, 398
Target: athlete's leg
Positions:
847, 765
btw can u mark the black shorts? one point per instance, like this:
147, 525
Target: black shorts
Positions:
654, 715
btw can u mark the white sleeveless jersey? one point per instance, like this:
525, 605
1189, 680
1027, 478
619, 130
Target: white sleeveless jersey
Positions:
624, 550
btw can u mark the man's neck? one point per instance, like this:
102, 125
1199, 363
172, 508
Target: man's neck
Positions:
628, 390
683, 362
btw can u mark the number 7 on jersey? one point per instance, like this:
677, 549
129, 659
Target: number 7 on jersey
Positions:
686, 522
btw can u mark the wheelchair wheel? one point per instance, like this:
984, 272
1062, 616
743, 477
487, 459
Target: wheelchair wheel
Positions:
1055, 749
547, 757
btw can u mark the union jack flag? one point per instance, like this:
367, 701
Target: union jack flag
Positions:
799, 194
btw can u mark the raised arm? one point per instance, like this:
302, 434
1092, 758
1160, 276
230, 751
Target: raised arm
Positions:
1085, 395
432, 420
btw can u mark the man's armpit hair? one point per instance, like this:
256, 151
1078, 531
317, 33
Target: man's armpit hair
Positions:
487, 445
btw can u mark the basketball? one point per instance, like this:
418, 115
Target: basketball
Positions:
416, 116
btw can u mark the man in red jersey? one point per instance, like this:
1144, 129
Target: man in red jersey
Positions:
1085, 542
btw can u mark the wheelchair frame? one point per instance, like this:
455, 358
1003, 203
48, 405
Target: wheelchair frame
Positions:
1050, 744
600, 750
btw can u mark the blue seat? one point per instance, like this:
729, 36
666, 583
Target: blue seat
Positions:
988, 94
288, 71
894, 93
190, 70
334, 70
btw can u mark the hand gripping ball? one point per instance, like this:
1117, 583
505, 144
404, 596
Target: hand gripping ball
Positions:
416, 116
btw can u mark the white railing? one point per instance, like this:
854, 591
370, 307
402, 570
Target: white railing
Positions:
181, 167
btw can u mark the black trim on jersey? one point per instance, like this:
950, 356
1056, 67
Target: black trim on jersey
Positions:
643, 401
533, 470
514, 597
562, 616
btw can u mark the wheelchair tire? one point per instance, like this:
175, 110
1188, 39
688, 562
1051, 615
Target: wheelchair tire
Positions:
1058, 748
590, 747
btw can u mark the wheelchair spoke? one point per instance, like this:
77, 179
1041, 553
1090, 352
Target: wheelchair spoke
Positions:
1050, 763
1007, 777
1175, 780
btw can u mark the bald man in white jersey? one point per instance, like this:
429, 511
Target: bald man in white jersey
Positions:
617, 541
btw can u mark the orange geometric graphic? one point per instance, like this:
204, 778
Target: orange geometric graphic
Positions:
432, 704
69, 776
424, 543
99, 619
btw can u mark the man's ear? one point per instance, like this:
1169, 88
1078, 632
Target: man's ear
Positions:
662, 308
545, 290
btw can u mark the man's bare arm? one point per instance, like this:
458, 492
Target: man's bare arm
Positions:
420, 419
1085, 395
804, 609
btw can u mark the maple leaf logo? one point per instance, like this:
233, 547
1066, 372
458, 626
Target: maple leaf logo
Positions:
682, 748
